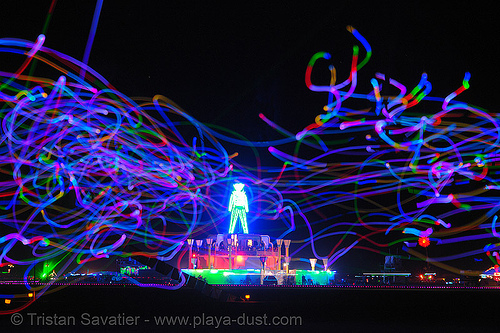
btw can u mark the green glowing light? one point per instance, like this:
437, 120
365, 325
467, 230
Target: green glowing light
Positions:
253, 276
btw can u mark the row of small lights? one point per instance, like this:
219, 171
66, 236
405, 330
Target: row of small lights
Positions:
98, 284
354, 287
265, 286
31, 295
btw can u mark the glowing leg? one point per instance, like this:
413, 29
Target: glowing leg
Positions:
234, 217
243, 219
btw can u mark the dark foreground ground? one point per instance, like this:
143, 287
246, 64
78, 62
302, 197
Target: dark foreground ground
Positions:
134, 309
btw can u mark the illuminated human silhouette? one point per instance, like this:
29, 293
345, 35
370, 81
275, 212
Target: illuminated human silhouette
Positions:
238, 206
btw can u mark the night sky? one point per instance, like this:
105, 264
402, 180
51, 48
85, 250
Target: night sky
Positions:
226, 62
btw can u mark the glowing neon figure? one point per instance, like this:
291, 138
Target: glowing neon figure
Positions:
238, 206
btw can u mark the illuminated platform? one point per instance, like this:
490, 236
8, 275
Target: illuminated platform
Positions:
253, 276
233, 251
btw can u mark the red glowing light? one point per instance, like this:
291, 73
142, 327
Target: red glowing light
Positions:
424, 241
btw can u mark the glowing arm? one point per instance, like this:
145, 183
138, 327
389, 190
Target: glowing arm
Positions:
244, 196
231, 202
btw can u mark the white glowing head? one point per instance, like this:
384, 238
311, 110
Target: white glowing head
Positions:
238, 186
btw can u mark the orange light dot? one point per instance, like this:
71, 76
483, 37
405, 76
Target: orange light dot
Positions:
424, 241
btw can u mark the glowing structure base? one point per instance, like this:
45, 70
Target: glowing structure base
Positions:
252, 276
247, 259
245, 252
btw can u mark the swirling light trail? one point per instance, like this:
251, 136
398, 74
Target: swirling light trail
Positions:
88, 171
